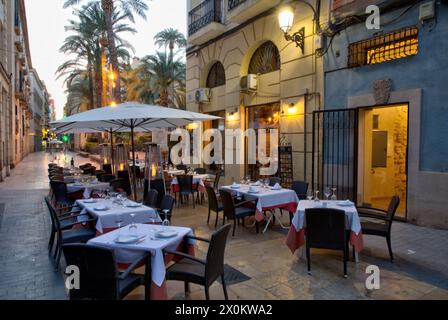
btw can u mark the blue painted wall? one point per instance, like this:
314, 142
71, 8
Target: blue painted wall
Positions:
428, 70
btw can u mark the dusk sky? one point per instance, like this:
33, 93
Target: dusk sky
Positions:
46, 21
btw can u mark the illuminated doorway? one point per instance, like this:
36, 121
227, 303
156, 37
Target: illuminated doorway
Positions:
383, 154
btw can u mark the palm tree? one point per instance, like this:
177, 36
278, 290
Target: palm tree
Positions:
165, 75
170, 38
78, 91
84, 44
128, 7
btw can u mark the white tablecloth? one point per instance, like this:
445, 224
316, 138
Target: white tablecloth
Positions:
128, 253
87, 187
175, 172
107, 219
197, 179
354, 223
267, 198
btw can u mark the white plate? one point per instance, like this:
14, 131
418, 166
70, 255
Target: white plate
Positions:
78, 184
275, 189
166, 234
89, 201
253, 191
128, 239
235, 187
345, 204
101, 208
133, 205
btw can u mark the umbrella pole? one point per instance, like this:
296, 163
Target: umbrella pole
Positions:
112, 151
134, 182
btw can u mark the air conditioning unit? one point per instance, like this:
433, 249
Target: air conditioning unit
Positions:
249, 82
202, 95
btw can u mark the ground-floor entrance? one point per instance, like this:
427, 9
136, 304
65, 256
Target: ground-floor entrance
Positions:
362, 154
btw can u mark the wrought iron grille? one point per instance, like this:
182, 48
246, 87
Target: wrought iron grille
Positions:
335, 152
390, 46
207, 12
232, 4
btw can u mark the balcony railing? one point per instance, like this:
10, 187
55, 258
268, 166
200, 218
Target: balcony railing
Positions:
232, 4
207, 12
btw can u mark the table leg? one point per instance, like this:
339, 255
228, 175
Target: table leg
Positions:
268, 222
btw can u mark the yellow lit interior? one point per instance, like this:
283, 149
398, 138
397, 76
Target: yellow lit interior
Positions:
392, 51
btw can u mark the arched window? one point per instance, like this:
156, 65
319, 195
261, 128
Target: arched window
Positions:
265, 59
216, 76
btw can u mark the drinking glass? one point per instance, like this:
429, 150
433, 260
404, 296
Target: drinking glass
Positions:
119, 222
310, 195
334, 197
133, 226
316, 196
327, 193
166, 212
165, 223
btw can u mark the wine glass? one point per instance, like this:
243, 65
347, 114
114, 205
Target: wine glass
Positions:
133, 226
316, 196
166, 213
166, 223
327, 193
310, 195
119, 222
334, 197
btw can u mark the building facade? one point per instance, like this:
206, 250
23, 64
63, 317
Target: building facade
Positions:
254, 78
40, 109
16, 114
393, 81
362, 106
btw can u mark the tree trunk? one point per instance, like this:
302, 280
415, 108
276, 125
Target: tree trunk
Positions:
163, 99
108, 7
98, 83
91, 90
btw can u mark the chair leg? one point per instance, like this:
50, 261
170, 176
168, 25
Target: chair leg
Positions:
226, 297
208, 219
308, 259
58, 259
217, 217
257, 227
234, 227
51, 241
186, 288
193, 201
207, 293
290, 217
346, 253
389, 245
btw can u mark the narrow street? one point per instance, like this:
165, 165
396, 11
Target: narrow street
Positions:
419, 272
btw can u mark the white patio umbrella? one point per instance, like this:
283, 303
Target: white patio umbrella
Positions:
130, 116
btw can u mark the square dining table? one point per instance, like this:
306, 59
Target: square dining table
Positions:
267, 200
296, 235
152, 244
107, 219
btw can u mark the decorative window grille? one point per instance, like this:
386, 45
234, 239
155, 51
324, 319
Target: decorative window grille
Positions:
216, 76
390, 46
265, 59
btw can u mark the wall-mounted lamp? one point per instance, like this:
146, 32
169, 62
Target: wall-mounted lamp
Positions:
285, 21
232, 115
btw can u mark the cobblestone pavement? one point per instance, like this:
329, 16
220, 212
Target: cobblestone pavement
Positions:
419, 272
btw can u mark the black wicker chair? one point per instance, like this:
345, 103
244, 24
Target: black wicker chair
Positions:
65, 234
166, 204
326, 229
274, 180
186, 188
202, 272
380, 229
151, 199
213, 204
100, 279
236, 212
